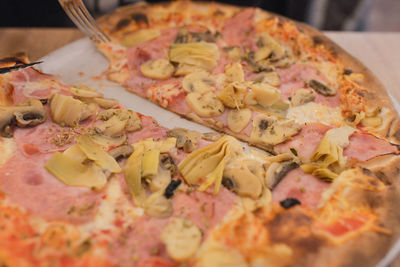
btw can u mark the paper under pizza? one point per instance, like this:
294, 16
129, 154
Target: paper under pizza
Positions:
86, 182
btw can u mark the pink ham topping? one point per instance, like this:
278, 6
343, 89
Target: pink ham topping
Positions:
142, 239
29, 185
366, 146
296, 77
239, 30
302, 186
21, 81
306, 141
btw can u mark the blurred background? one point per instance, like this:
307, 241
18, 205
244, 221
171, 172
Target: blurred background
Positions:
333, 15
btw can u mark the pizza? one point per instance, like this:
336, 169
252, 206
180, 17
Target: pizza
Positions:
84, 181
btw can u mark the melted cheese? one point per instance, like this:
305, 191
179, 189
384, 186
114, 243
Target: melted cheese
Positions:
313, 112
7, 148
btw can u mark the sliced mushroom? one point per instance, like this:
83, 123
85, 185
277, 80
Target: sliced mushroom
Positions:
277, 51
121, 152
84, 91
206, 105
234, 72
199, 82
322, 88
157, 205
268, 130
222, 256
212, 136
168, 163
159, 69
272, 78
182, 239
160, 181
238, 119
28, 113
233, 94
234, 53
276, 171
262, 53
133, 122
244, 179
302, 96
106, 103
184, 69
185, 139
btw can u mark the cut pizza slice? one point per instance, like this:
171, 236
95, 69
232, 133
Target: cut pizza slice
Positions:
243, 71
85, 181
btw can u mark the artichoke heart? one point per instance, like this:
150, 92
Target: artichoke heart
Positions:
150, 162
72, 172
66, 110
208, 163
163, 146
133, 174
98, 155
329, 153
139, 37
201, 54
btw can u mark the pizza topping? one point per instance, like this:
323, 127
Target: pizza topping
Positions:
67, 111
199, 82
185, 36
139, 37
106, 103
234, 53
277, 170
97, 154
185, 139
73, 173
182, 239
277, 51
129, 117
272, 78
301, 97
321, 88
267, 130
202, 54
159, 69
172, 186
157, 205
289, 202
150, 161
234, 72
243, 181
84, 91
262, 94
206, 105
238, 119
121, 152
27, 113
233, 94
329, 153
208, 163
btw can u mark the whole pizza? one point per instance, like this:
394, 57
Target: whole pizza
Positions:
84, 181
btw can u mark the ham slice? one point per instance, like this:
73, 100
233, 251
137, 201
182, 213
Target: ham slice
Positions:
30, 186
302, 186
296, 76
366, 146
306, 141
239, 30
150, 129
143, 238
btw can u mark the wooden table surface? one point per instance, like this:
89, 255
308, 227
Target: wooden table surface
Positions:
378, 51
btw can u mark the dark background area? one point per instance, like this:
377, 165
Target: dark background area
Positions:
323, 14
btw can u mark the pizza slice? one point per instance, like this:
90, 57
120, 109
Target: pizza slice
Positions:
243, 71
86, 182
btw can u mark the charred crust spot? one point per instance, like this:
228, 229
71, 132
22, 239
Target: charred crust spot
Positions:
9, 60
263, 125
317, 40
140, 18
347, 72
381, 176
44, 101
218, 13
366, 172
360, 93
32, 116
122, 24
289, 202
173, 185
